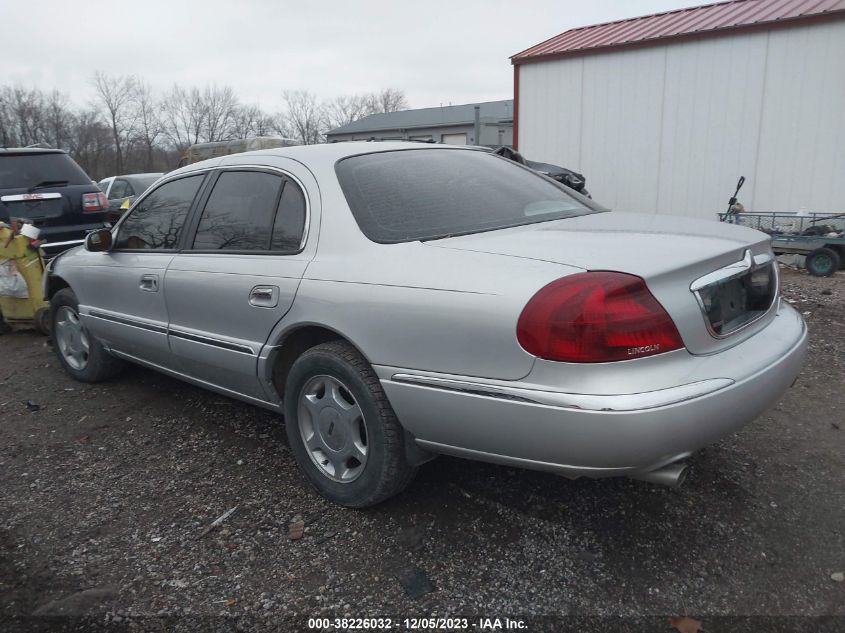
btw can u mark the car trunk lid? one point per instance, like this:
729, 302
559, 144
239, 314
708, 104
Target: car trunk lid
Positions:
671, 254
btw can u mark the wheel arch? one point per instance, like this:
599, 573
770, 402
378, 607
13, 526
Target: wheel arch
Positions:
291, 344
52, 284
839, 249
297, 339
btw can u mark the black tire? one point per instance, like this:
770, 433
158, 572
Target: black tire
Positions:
386, 471
99, 364
42, 321
822, 262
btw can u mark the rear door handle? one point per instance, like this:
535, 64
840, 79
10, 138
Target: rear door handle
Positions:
264, 296
149, 283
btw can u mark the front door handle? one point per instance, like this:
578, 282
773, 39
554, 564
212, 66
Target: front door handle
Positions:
149, 283
264, 296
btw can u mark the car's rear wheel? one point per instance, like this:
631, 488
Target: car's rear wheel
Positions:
341, 428
79, 352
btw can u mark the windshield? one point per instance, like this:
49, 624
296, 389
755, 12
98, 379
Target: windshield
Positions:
28, 170
407, 195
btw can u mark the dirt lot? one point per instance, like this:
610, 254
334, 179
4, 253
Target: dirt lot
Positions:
106, 491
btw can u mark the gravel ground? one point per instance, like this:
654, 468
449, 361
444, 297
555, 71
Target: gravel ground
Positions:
108, 490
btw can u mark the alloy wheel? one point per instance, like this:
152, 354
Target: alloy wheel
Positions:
71, 338
332, 428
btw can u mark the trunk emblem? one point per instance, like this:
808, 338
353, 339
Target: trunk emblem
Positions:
644, 349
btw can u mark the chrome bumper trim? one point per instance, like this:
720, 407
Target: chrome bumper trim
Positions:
584, 402
49, 245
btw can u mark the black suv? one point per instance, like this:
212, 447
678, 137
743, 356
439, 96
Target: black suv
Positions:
45, 187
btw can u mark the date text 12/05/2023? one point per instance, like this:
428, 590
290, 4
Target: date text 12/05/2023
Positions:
417, 624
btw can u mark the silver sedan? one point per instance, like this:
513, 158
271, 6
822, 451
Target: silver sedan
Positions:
399, 301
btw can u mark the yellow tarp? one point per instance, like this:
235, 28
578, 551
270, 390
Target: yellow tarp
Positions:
30, 264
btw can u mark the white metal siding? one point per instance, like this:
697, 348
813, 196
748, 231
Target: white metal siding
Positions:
669, 129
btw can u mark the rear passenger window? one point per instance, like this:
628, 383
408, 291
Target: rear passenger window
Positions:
252, 211
118, 190
290, 219
157, 221
239, 213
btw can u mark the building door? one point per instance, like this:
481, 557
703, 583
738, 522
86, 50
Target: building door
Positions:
455, 139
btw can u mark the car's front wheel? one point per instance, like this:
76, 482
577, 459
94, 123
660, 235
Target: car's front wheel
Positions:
341, 428
79, 352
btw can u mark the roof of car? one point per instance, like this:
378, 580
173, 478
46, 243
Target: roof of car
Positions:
323, 153
30, 150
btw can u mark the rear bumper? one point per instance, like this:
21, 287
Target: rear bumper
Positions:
601, 434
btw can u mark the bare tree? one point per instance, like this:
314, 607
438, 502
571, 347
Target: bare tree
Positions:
303, 116
183, 116
346, 109
8, 118
197, 116
130, 127
388, 100
91, 144
117, 95
150, 127
251, 121
219, 107
58, 119
26, 115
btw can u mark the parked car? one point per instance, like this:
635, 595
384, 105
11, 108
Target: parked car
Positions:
565, 176
46, 187
121, 191
397, 301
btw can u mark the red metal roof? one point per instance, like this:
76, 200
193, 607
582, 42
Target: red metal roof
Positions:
706, 20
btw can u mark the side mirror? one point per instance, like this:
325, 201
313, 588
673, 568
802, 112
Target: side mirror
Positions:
98, 241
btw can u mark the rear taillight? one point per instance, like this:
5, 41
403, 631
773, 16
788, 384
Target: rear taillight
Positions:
94, 202
596, 317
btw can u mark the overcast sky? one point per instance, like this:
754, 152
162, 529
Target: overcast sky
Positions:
437, 51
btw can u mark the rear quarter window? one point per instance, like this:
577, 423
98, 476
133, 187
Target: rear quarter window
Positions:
407, 195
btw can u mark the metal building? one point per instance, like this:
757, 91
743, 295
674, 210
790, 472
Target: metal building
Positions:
664, 112
489, 123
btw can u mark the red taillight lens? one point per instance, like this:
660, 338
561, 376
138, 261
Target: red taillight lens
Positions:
94, 202
596, 317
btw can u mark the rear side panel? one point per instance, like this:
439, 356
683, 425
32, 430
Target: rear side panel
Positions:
411, 306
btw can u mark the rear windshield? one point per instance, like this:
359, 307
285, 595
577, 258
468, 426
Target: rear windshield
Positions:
407, 195
144, 182
28, 170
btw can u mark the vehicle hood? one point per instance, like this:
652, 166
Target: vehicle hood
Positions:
642, 244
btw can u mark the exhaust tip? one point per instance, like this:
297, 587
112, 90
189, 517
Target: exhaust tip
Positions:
672, 475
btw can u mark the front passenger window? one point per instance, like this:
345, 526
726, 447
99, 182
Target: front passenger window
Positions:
157, 221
